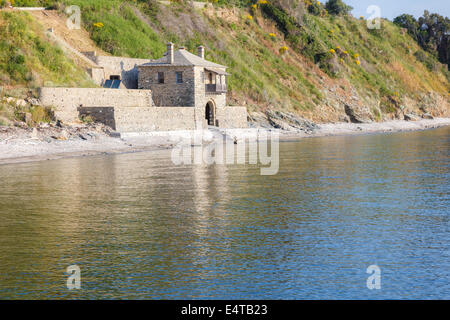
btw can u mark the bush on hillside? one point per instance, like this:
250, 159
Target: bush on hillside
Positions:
338, 7
314, 8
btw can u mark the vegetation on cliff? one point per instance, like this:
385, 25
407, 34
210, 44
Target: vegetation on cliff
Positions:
28, 58
305, 57
431, 31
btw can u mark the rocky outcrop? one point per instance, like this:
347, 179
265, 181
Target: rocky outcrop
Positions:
435, 105
358, 114
258, 120
290, 122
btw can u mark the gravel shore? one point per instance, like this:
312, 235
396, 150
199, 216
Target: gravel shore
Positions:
20, 144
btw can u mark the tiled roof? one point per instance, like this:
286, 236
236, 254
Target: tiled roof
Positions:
183, 57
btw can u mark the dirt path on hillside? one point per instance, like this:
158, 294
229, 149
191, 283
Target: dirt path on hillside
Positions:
78, 39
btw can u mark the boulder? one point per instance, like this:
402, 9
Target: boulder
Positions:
33, 101
34, 134
15, 101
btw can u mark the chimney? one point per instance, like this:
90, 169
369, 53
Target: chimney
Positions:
201, 52
170, 53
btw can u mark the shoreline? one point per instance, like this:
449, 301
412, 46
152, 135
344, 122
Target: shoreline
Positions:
31, 147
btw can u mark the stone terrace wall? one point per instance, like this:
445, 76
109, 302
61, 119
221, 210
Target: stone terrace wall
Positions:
67, 100
148, 119
141, 119
232, 117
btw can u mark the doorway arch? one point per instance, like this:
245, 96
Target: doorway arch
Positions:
210, 113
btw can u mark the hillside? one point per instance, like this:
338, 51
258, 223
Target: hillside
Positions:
283, 55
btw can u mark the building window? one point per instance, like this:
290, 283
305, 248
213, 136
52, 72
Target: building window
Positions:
160, 77
179, 77
210, 78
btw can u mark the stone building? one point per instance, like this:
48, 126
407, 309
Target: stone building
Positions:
180, 91
181, 78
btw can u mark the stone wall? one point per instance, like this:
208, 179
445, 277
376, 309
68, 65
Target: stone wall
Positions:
139, 119
169, 93
67, 100
103, 115
201, 96
126, 68
148, 119
232, 117
97, 75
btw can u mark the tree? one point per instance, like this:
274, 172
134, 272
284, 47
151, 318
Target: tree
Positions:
337, 7
408, 22
431, 31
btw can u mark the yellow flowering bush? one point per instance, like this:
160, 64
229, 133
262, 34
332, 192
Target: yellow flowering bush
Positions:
316, 8
99, 25
332, 51
283, 50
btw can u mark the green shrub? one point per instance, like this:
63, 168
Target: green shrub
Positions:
315, 8
41, 114
337, 7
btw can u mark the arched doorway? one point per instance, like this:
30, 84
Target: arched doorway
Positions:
210, 113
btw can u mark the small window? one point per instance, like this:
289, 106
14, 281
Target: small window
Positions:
210, 78
179, 77
114, 77
160, 77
